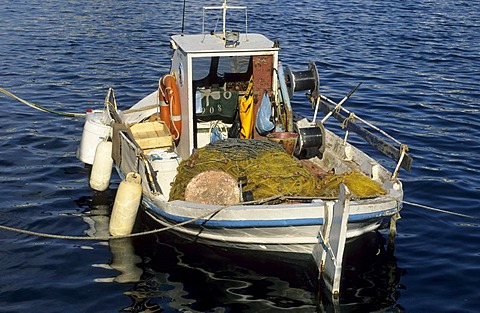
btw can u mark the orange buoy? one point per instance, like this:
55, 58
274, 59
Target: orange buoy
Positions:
170, 110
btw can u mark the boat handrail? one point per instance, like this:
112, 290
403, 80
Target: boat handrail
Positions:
399, 154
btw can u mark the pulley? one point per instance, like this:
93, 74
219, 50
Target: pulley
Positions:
303, 80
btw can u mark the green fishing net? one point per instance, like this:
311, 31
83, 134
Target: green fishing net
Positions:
269, 171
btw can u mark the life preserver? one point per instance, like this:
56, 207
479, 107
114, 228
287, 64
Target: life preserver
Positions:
170, 110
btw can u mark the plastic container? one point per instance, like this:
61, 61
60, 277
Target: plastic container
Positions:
95, 131
165, 165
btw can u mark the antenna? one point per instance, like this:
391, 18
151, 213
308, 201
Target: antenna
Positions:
224, 8
183, 16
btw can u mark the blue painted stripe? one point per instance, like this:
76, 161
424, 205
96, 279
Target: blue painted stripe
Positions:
262, 223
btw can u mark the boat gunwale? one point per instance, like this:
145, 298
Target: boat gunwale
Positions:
389, 206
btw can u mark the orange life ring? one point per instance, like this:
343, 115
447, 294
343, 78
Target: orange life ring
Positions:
170, 110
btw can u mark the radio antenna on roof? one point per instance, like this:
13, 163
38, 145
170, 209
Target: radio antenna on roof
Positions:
183, 16
224, 7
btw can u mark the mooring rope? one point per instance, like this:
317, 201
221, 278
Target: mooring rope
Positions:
440, 210
211, 213
39, 107
106, 238
148, 232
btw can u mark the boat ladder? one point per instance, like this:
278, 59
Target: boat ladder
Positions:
328, 252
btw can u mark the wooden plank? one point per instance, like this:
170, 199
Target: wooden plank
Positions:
377, 142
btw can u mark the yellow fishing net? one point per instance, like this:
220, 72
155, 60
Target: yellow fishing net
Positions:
360, 185
269, 171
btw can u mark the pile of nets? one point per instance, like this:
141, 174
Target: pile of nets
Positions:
266, 171
359, 184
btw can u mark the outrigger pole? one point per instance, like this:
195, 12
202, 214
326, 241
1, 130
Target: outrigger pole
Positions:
397, 154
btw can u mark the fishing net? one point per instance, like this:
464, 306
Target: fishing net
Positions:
360, 185
269, 171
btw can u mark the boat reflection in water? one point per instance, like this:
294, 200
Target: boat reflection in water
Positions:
370, 278
172, 273
183, 275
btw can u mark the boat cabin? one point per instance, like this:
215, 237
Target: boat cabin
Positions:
212, 74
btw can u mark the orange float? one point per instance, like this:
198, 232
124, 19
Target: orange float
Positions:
170, 110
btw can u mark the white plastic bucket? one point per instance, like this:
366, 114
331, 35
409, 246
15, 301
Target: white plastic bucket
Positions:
94, 131
165, 165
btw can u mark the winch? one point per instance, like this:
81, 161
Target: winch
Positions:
311, 139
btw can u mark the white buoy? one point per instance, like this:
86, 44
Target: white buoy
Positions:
126, 205
102, 166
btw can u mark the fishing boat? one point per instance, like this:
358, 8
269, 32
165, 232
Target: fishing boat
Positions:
217, 154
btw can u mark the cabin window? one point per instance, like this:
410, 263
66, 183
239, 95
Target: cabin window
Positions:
201, 68
234, 64
217, 82
216, 71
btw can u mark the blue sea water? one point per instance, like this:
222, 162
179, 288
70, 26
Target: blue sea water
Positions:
419, 63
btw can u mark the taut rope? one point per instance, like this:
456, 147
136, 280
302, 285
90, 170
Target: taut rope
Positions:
39, 107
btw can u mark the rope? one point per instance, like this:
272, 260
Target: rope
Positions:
149, 232
350, 117
38, 107
213, 212
440, 210
106, 238
145, 108
403, 152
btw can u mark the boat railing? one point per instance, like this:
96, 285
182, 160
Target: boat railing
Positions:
348, 120
230, 37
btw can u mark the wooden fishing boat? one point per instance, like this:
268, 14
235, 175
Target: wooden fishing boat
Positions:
223, 109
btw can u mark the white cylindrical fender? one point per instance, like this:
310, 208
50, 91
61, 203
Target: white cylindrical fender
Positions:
102, 166
126, 204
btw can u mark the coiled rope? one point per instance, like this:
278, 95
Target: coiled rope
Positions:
39, 107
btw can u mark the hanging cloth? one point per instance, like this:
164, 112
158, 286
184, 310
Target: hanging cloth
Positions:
263, 123
246, 112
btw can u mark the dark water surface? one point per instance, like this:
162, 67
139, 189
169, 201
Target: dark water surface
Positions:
419, 63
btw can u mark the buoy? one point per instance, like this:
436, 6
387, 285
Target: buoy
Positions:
126, 204
102, 166
170, 109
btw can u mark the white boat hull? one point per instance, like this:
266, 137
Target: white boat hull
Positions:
291, 235
287, 227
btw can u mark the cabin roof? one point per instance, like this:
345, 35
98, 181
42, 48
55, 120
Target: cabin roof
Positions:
208, 43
